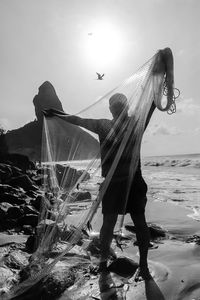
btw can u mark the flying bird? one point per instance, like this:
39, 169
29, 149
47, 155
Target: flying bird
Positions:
90, 33
100, 77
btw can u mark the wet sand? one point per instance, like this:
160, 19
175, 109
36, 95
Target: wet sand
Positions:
174, 265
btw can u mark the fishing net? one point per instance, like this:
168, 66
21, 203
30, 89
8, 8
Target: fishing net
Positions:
83, 153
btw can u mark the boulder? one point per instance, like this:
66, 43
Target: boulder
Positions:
18, 160
29, 209
72, 175
27, 229
3, 215
12, 199
14, 212
81, 196
22, 181
28, 220
123, 266
6, 188
5, 172
5, 274
39, 202
16, 259
32, 193
51, 286
155, 230
5, 206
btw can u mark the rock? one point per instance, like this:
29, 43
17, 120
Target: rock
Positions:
9, 224
45, 99
193, 239
5, 274
6, 239
14, 212
72, 175
155, 230
38, 180
12, 199
52, 228
16, 171
6, 188
123, 266
39, 202
28, 209
5, 172
22, 181
86, 175
57, 282
27, 229
16, 259
3, 215
5, 206
18, 160
28, 220
80, 196
27, 140
32, 193
31, 243
51, 286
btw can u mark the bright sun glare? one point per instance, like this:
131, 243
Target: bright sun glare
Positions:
103, 45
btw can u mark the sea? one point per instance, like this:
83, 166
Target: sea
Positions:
175, 179
170, 178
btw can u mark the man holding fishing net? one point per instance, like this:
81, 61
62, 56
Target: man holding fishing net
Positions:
124, 189
122, 195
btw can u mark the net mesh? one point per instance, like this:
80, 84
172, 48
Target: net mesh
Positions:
82, 153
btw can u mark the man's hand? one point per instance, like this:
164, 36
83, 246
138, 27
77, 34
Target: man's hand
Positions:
49, 113
53, 112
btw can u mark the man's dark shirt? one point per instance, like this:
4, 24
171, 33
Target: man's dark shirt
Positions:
110, 137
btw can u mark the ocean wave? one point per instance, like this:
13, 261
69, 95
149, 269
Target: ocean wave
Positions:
172, 163
195, 215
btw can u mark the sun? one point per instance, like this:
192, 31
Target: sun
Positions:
103, 45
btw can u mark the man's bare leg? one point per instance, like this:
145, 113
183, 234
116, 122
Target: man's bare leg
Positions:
143, 239
106, 235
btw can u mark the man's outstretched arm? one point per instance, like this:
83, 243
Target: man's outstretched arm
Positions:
89, 124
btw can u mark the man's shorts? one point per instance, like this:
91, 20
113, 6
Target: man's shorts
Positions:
119, 199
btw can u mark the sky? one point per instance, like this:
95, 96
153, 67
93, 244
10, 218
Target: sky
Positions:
67, 41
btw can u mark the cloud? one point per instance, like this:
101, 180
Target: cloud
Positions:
163, 129
188, 107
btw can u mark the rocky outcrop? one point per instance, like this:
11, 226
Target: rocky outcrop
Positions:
21, 199
45, 99
19, 212
27, 140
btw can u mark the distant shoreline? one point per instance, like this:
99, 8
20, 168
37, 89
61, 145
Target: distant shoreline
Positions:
170, 155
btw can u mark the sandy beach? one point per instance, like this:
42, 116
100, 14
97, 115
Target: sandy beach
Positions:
174, 265
173, 205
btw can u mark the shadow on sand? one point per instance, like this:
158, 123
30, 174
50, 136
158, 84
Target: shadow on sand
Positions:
152, 290
112, 289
